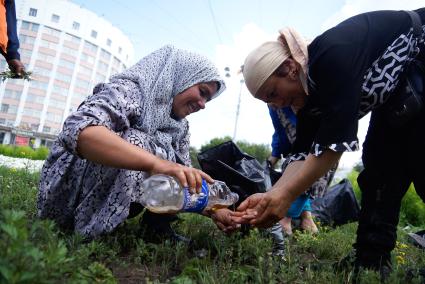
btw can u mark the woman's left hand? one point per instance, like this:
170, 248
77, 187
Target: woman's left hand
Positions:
262, 209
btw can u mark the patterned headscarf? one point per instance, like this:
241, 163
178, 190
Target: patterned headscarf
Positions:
160, 76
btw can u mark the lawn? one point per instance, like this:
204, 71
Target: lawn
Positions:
35, 251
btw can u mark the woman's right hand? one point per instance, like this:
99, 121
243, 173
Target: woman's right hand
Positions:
188, 177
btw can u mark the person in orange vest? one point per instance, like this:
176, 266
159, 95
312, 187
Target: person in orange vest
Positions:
9, 42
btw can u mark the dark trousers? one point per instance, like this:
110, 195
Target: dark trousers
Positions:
393, 158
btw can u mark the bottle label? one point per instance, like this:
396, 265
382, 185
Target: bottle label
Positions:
196, 202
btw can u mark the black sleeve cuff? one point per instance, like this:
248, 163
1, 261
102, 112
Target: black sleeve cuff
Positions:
318, 149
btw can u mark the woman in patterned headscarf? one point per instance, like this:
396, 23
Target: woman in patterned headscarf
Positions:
348, 71
128, 129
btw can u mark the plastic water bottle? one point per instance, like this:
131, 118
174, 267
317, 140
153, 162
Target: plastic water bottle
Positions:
163, 194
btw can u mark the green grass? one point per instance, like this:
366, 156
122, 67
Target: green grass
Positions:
24, 152
35, 251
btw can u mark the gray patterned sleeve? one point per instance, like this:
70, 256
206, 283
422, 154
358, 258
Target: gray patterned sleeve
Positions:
185, 147
114, 105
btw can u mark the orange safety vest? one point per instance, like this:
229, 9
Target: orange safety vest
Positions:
3, 27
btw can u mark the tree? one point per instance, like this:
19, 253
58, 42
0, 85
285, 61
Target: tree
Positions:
194, 157
214, 142
259, 151
358, 167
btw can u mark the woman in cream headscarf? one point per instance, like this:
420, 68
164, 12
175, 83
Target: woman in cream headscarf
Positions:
346, 72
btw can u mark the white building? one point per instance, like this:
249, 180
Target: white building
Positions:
69, 49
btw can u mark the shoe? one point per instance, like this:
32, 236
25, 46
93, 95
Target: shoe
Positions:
279, 254
278, 241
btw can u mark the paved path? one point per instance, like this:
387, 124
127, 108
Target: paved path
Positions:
21, 163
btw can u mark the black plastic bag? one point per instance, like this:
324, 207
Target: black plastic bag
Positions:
271, 174
244, 175
240, 171
338, 206
418, 239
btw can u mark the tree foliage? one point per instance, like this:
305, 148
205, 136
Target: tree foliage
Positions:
259, 151
193, 157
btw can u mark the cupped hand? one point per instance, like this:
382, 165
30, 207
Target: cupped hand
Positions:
262, 209
188, 177
223, 219
16, 66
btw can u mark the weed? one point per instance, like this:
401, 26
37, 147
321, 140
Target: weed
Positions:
35, 251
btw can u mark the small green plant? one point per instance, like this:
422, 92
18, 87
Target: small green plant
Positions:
30, 254
40, 153
36, 251
26, 75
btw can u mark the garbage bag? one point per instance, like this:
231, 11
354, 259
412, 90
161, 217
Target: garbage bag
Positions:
244, 175
338, 206
271, 175
418, 239
240, 171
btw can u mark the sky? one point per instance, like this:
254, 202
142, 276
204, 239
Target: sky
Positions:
226, 31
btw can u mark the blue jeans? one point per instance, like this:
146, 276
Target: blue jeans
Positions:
302, 203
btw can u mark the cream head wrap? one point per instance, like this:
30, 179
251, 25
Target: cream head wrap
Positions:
265, 59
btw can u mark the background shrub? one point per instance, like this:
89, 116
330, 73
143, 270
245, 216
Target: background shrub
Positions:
24, 152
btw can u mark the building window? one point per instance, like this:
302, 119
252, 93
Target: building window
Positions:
33, 12
69, 51
12, 94
90, 46
25, 25
52, 31
108, 42
105, 55
63, 77
94, 34
45, 57
33, 98
25, 53
48, 44
29, 26
25, 39
102, 66
4, 108
116, 62
46, 129
85, 70
34, 127
55, 18
34, 27
72, 38
82, 84
76, 26
60, 90
67, 64
39, 85
87, 58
